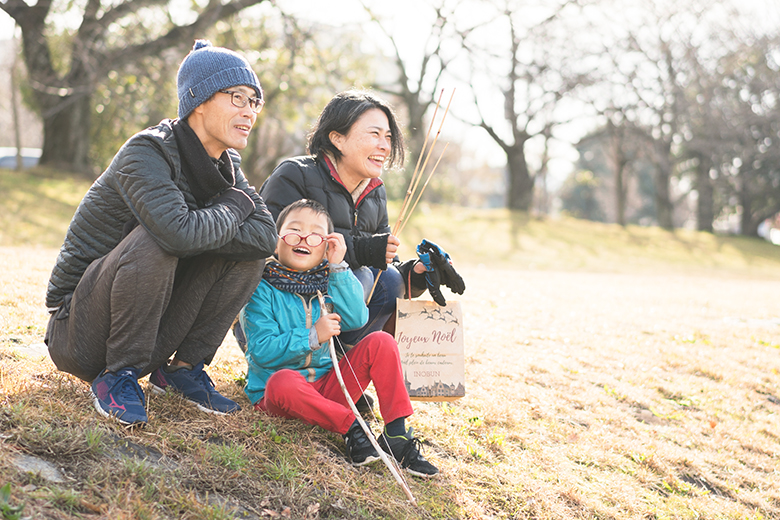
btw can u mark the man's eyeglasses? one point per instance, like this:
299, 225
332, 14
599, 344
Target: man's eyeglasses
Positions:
239, 99
294, 239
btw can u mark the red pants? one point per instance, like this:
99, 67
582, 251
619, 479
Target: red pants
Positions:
322, 403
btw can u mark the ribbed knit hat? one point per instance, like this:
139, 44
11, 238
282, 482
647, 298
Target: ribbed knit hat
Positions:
208, 69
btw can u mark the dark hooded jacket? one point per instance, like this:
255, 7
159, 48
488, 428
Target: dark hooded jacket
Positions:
311, 177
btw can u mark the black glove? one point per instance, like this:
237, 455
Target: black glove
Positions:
372, 251
236, 201
414, 283
439, 270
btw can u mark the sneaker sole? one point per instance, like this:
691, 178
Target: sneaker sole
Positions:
369, 460
421, 475
112, 416
160, 391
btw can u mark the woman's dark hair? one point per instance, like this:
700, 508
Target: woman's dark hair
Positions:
312, 205
340, 114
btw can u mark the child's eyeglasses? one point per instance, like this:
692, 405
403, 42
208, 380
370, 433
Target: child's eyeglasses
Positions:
312, 239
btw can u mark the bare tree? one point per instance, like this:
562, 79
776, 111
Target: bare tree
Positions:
748, 159
110, 35
532, 73
419, 81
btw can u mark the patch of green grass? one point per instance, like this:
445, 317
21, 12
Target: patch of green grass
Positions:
37, 205
231, 456
9, 512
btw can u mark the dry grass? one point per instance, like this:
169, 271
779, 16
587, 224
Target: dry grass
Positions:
598, 386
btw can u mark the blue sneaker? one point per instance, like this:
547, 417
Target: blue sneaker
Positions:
196, 386
118, 395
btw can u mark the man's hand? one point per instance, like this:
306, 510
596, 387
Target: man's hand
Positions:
328, 326
439, 270
237, 202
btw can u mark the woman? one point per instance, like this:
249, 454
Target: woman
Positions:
355, 136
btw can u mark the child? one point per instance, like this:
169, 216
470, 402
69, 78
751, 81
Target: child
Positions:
290, 371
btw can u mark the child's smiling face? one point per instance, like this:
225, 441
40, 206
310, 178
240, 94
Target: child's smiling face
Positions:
302, 257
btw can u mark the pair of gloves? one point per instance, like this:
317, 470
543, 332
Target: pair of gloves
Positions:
439, 271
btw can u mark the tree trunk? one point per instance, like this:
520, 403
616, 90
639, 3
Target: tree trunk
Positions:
663, 202
15, 111
66, 135
663, 173
619, 162
620, 194
521, 184
748, 225
705, 210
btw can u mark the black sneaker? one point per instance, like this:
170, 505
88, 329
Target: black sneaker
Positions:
406, 450
365, 405
360, 451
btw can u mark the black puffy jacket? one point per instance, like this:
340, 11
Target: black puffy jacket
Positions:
309, 177
145, 182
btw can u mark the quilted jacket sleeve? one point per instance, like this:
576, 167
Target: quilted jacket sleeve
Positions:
144, 181
257, 234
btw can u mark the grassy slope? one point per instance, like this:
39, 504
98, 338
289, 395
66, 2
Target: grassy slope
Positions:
611, 373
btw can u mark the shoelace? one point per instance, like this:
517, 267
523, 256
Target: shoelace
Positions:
358, 440
205, 380
127, 387
410, 451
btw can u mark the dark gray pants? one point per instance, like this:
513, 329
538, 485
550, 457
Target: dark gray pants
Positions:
138, 305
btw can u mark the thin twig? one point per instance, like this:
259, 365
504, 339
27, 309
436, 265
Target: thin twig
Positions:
423, 188
382, 455
416, 181
416, 171
416, 176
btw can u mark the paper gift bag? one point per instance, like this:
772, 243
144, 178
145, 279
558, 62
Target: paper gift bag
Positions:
430, 339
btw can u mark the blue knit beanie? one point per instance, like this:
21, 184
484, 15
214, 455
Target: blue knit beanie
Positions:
208, 69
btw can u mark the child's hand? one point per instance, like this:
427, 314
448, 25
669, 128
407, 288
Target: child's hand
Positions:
337, 248
328, 326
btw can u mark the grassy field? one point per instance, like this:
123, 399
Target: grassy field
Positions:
610, 374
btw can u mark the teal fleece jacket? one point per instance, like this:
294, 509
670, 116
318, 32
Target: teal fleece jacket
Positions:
278, 327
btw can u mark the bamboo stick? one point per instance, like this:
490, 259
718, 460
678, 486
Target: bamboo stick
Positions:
416, 176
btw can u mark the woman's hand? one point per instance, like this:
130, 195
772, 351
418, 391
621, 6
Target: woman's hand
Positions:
337, 248
392, 248
328, 326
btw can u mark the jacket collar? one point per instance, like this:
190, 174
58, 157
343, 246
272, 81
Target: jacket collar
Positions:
206, 177
362, 189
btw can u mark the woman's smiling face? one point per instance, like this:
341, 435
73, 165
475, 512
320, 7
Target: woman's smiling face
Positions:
365, 148
302, 257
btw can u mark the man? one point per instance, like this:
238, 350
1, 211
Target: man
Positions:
165, 248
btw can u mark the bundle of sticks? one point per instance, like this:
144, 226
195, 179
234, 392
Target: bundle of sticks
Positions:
414, 191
